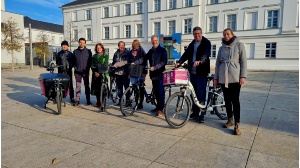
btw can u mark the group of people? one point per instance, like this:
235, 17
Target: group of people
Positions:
230, 70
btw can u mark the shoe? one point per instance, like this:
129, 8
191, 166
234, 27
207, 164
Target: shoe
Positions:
194, 115
159, 113
76, 103
89, 103
229, 123
72, 101
201, 119
102, 109
140, 106
97, 105
128, 104
154, 110
237, 130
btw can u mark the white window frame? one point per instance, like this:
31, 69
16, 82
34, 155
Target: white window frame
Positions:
106, 51
75, 34
184, 26
88, 14
272, 48
116, 33
127, 32
74, 16
188, 3
213, 51
139, 7
156, 30
245, 19
171, 27
231, 14
157, 5
106, 12
127, 9
211, 26
267, 18
87, 34
106, 32
139, 32
214, 1
172, 4
116, 10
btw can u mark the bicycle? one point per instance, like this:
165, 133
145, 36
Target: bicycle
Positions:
174, 109
54, 86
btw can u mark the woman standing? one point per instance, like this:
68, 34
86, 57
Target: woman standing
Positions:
231, 73
99, 58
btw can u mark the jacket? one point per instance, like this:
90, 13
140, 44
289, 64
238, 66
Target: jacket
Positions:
203, 53
231, 63
121, 59
64, 57
82, 60
135, 59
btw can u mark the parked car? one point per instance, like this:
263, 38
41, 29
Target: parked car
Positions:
52, 63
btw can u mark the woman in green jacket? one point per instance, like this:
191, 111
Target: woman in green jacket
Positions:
98, 60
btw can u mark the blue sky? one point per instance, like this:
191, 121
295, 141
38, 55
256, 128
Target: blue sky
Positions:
42, 10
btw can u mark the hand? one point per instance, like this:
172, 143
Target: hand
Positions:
176, 65
215, 82
115, 65
144, 75
151, 68
97, 74
242, 81
132, 64
196, 63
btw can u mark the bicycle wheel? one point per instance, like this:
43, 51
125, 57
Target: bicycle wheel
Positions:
153, 98
113, 90
58, 100
129, 101
177, 110
218, 100
103, 94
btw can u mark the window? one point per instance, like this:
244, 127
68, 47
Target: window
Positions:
88, 34
187, 26
74, 16
127, 9
156, 5
53, 40
139, 30
106, 32
231, 22
188, 3
213, 52
156, 28
116, 11
172, 25
251, 20
88, 14
139, 7
106, 12
213, 24
232, 0
214, 1
117, 32
60, 39
106, 51
75, 34
172, 4
272, 19
271, 50
128, 31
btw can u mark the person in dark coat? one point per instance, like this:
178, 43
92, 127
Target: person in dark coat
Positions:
64, 58
197, 54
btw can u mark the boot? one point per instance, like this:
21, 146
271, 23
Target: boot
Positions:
229, 123
237, 130
159, 113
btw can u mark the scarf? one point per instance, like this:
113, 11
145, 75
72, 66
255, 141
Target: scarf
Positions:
229, 41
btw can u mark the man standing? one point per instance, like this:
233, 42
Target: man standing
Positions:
197, 54
64, 58
82, 58
119, 60
158, 58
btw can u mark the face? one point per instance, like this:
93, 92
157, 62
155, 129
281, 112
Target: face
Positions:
99, 49
136, 46
81, 43
227, 35
154, 42
121, 47
197, 35
64, 47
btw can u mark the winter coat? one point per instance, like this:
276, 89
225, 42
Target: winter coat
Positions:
135, 59
82, 60
64, 58
97, 60
121, 59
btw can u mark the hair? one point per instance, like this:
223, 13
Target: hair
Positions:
197, 28
101, 45
120, 43
228, 30
154, 36
136, 42
82, 39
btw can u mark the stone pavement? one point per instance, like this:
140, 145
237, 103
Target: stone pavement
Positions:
84, 137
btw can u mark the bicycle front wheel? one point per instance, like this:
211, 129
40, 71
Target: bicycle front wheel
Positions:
129, 101
177, 110
58, 100
219, 102
103, 94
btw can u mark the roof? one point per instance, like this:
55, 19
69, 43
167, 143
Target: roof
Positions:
35, 24
79, 2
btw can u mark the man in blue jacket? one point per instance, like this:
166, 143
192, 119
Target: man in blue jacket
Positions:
197, 54
158, 58
82, 58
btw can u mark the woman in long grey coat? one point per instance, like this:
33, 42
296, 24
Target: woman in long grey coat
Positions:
231, 73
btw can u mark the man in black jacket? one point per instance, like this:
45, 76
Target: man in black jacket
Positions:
158, 58
82, 60
64, 58
197, 54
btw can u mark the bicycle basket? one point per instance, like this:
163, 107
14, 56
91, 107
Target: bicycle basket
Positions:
136, 70
102, 68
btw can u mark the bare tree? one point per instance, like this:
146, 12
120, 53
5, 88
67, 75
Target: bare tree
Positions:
41, 47
13, 38
72, 34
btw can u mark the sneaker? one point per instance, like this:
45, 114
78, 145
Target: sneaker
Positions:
128, 104
237, 130
140, 106
229, 123
201, 119
76, 103
194, 115
159, 113
89, 103
97, 105
72, 100
154, 110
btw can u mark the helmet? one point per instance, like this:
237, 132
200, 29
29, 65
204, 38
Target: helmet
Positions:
64, 43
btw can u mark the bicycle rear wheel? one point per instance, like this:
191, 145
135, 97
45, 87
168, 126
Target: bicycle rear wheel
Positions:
218, 100
129, 101
58, 100
113, 90
177, 110
103, 94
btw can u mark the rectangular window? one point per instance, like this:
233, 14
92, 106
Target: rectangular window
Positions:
232, 0
187, 26
172, 4
88, 14
156, 5
231, 22
271, 50
117, 32
213, 24
213, 51
139, 30
107, 51
74, 16
172, 26
139, 7
273, 19
53, 39
214, 1
106, 32
75, 34
251, 21
127, 9
156, 28
116, 11
188, 3
88, 34
128, 31
106, 12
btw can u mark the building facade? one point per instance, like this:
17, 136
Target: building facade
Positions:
269, 29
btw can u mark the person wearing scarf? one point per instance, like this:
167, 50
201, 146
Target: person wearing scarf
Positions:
231, 73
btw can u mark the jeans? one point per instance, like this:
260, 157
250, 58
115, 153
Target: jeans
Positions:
232, 100
122, 81
159, 92
71, 91
78, 78
199, 83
